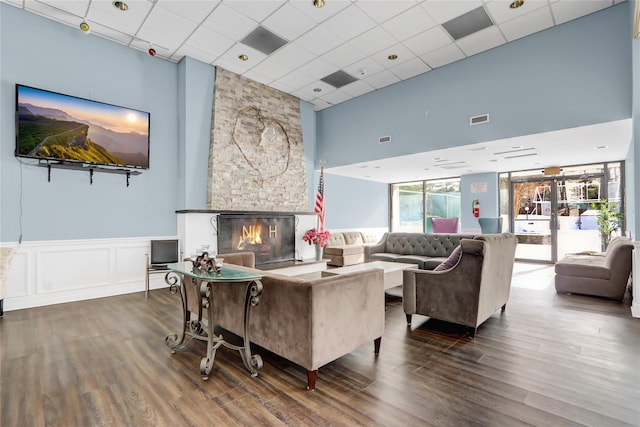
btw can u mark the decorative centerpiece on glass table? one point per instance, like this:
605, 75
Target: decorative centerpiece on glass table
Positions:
318, 238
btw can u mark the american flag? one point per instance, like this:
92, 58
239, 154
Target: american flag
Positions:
320, 201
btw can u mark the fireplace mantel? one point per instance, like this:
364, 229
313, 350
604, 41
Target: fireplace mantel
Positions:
198, 227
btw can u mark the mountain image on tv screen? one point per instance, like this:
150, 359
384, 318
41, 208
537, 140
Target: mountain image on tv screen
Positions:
61, 127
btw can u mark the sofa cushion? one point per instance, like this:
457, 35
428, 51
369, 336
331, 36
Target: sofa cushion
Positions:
450, 262
344, 250
383, 256
583, 266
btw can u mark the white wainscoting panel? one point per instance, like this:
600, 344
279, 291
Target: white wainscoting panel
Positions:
54, 272
635, 283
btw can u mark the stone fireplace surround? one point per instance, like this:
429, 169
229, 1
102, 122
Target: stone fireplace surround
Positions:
200, 227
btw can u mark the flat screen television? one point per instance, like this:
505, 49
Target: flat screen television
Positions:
62, 128
163, 252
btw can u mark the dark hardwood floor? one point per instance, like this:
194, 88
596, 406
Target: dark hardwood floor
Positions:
549, 360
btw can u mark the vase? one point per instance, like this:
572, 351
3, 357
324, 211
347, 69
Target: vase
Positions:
318, 253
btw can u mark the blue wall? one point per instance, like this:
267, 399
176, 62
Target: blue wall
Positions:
489, 206
354, 203
574, 74
47, 55
633, 159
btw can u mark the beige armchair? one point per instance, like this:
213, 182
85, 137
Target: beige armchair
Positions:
469, 292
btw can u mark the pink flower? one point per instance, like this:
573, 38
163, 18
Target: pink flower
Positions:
316, 237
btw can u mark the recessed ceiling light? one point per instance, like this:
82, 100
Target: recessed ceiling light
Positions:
243, 57
120, 5
317, 89
318, 3
392, 57
601, 147
516, 4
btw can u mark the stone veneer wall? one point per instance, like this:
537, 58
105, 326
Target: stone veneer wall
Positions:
256, 155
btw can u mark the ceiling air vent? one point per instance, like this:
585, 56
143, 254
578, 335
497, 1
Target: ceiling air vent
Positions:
384, 139
338, 79
478, 120
264, 41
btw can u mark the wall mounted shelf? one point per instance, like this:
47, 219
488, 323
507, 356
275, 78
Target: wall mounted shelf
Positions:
89, 168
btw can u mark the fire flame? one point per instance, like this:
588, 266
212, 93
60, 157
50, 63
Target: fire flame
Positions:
250, 236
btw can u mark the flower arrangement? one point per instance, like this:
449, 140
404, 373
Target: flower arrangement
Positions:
316, 237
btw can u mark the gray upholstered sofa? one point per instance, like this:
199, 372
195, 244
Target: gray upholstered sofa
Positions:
426, 250
604, 275
347, 247
470, 291
309, 322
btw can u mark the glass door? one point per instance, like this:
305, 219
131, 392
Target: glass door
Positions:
534, 219
577, 228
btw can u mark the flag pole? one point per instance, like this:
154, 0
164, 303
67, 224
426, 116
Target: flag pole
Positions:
319, 205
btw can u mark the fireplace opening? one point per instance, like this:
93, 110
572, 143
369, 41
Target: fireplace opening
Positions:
270, 237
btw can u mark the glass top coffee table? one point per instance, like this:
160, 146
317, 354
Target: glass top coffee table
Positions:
392, 271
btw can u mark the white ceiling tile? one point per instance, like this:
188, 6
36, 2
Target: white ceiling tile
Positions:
111, 34
443, 56
292, 81
317, 69
109, 16
320, 104
16, 3
74, 7
271, 69
193, 52
258, 77
54, 13
538, 20
193, 10
357, 88
318, 41
335, 97
408, 24
292, 56
381, 11
403, 53
367, 66
209, 41
480, 41
288, 22
410, 68
443, 11
256, 10
330, 8
309, 92
233, 53
237, 67
229, 22
159, 39
500, 12
160, 19
566, 10
348, 23
373, 41
343, 55
382, 79
428, 41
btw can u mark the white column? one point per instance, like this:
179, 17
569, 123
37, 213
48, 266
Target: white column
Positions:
635, 302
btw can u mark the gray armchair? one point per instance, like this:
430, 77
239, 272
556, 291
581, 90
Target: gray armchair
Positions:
469, 292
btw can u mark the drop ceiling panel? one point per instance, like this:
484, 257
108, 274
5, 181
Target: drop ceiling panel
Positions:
54, 13
409, 23
382, 79
308, 92
336, 97
320, 104
403, 53
193, 10
160, 19
443, 11
293, 81
111, 34
101, 12
482, 40
227, 21
232, 56
500, 11
257, 10
318, 40
538, 20
195, 53
77, 8
159, 40
343, 56
567, 10
209, 41
373, 41
428, 41
292, 56
320, 15
357, 88
288, 22
348, 23
317, 69
443, 56
368, 65
409, 69
381, 11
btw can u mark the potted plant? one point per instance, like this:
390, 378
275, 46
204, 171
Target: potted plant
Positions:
609, 220
318, 238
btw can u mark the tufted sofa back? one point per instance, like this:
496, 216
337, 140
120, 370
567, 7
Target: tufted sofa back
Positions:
343, 238
431, 245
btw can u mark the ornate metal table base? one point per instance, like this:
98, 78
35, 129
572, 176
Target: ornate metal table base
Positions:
201, 330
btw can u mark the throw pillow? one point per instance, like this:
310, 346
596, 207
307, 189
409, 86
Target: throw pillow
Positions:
450, 262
